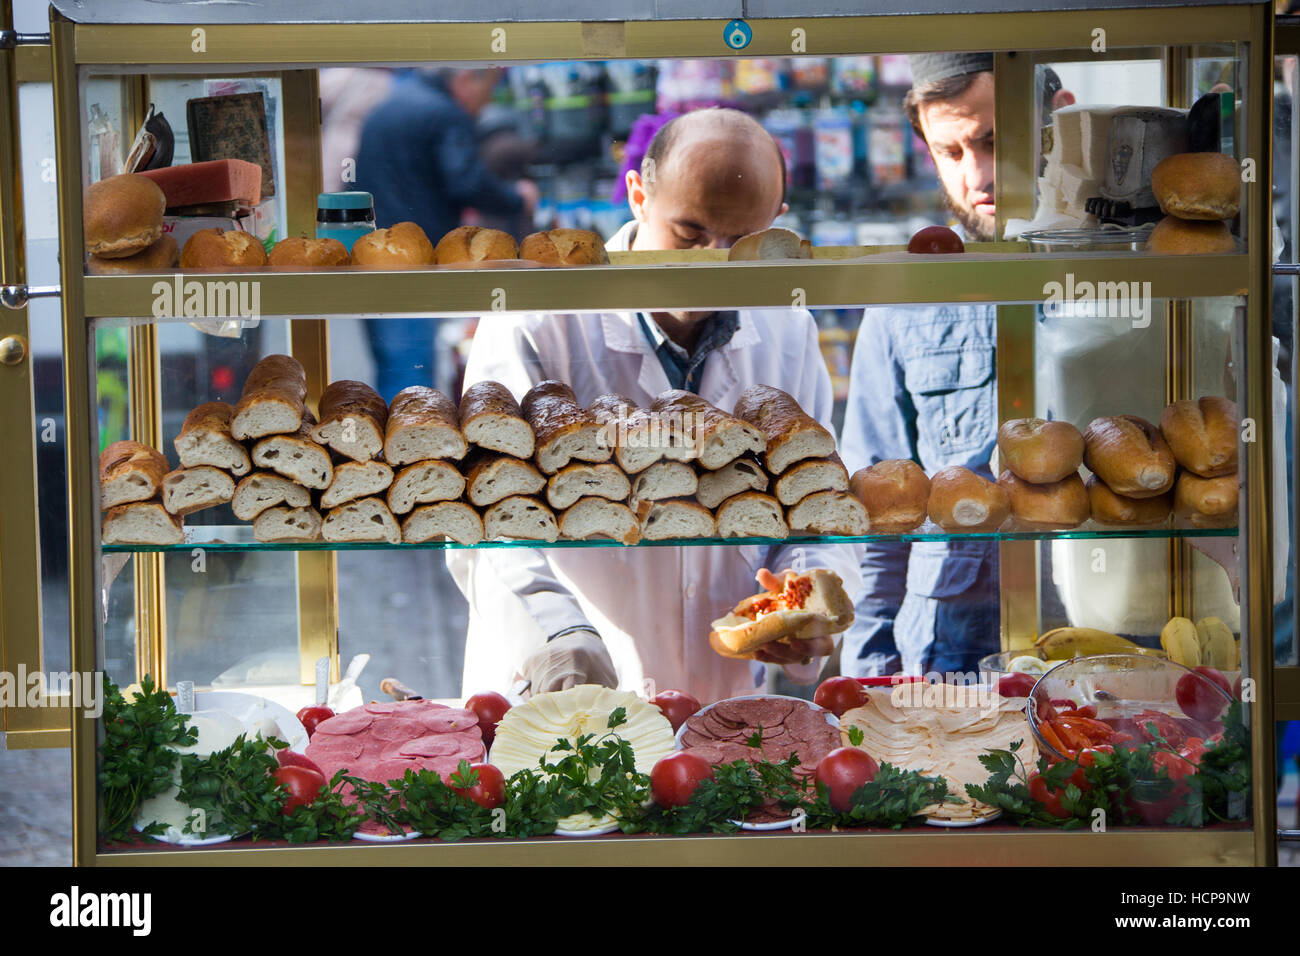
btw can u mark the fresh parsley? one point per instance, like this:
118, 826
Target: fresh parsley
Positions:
894, 799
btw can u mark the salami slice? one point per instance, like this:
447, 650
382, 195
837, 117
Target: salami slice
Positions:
345, 724
434, 745
450, 720
383, 771
398, 728
382, 706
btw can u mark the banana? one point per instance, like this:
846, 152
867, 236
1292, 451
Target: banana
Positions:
1180, 641
1063, 643
1218, 646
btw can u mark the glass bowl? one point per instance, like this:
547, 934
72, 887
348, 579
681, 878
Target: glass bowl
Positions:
994, 666
1098, 239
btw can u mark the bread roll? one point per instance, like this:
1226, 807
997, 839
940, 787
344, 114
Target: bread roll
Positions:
284, 525
262, 490
297, 252
1130, 455
425, 482
678, 518
811, 476
714, 437
215, 250
491, 419
590, 518
1110, 508
1174, 236
365, 520
573, 482
491, 478
636, 434
751, 514
353, 418
563, 429
360, 479
743, 474
162, 255
774, 243
791, 434
829, 512
296, 457
452, 520
141, 522
520, 517
1205, 502
273, 400
123, 215
422, 424
187, 490
1040, 451
1057, 504
1198, 186
1203, 435
564, 247
472, 244
662, 480
403, 245
896, 494
962, 501
129, 471
205, 439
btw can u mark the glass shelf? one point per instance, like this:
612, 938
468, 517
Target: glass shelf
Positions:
240, 538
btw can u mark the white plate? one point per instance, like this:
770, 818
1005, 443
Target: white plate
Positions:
385, 837
257, 714
594, 831
960, 824
774, 825
189, 839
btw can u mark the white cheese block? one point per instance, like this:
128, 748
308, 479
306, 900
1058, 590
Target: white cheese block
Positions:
1076, 186
1094, 140
1066, 132
217, 730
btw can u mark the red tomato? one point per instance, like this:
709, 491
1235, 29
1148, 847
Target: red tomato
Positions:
1086, 758
309, 717
1215, 675
1236, 687
490, 789
673, 779
934, 239
303, 785
1177, 765
840, 694
1050, 799
1016, 685
489, 708
1193, 749
1197, 697
287, 758
843, 771
676, 705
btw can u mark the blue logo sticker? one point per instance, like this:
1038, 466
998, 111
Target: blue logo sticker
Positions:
737, 34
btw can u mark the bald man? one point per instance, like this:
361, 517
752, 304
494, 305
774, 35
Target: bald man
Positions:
639, 618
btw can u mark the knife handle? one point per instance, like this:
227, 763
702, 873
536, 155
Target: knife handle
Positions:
397, 690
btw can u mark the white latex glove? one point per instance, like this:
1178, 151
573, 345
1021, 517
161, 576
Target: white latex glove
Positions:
577, 658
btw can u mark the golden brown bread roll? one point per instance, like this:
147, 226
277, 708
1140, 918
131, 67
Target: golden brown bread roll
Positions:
1174, 236
298, 252
353, 419
129, 471
1198, 186
205, 439
714, 437
1057, 504
1205, 502
565, 247
141, 522
472, 244
563, 429
163, 254
791, 433
829, 512
636, 435
491, 419
273, 401
398, 246
1130, 455
962, 501
422, 424
809, 477
1110, 508
1040, 451
122, 215
1202, 434
217, 250
896, 494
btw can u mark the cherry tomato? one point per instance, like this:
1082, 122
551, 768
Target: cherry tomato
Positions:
1216, 675
1016, 685
489, 708
1197, 697
934, 239
490, 789
673, 779
1050, 799
309, 717
676, 705
1193, 749
840, 694
842, 772
304, 786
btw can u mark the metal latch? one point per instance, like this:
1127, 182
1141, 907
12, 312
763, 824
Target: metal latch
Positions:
10, 39
17, 296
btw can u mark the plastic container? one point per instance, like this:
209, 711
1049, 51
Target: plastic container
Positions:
345, 216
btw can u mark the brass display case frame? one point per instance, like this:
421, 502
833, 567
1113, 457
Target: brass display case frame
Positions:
298, 48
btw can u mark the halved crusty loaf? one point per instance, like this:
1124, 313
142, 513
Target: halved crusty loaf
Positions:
490, 418
273, 399
564, 430
678, 518
572, 482
366, 520
810, 477
491, 478
141, 522
520, 517
296, 456
287, 524
205, 439
423, 483
773, 243
791, 434
743, 474
129, 471
829, 512
751, 514
715, 437
187, 490
600, 518
262, 490
422, 424
637, 435
665, 479
359, 479
352, 420
447, 519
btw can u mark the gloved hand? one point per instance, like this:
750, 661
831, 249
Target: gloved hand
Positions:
577, 658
